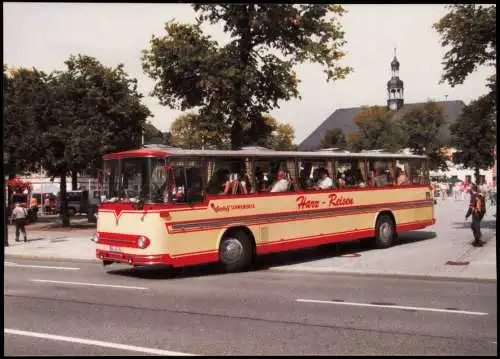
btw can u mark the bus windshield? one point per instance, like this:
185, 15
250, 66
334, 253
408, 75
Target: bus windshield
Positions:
133, 179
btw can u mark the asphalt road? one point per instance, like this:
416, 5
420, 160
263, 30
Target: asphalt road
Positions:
56, 308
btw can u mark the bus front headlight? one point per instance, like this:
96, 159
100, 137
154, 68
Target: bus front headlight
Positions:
142, 242
95, 238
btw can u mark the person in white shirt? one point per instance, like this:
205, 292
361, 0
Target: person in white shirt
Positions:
325, 182
19, 215
281, 185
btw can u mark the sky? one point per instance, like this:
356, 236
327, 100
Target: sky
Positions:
44, 35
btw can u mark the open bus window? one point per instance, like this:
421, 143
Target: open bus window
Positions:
418, 172
402, 171
185, 181
272, 176
380, 173
229, 176
350, 172
311, 174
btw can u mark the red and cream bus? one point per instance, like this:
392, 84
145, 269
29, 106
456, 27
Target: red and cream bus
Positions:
162, 205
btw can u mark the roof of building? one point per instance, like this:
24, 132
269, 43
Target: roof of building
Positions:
343, 119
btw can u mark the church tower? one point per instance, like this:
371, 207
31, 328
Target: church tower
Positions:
395, 87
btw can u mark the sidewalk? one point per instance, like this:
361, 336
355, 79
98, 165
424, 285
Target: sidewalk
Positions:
423, 253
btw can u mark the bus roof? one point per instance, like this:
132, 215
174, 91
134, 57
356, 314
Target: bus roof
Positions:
166, 151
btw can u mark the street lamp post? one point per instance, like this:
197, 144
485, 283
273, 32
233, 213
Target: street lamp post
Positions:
6, 212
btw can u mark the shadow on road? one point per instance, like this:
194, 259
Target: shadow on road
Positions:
491, 224
352, 248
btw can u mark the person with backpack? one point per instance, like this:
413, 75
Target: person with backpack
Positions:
477, 208
19, 215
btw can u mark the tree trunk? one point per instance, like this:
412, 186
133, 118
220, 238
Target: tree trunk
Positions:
64, 201
245, 45
74, 180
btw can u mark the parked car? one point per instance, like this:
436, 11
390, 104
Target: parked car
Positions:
78, 202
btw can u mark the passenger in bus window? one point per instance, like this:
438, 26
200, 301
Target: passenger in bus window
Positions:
226, 182
371, 179
401, 178
380, 178
281, 184
341, 180
324, 181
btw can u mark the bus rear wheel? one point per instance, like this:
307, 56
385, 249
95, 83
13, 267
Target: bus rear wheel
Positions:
235, 251
384, 231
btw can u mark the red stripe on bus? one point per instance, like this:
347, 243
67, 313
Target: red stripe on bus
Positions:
302, 242
425, 202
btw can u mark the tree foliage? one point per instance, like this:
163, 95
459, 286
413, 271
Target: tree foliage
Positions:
475, 135
188, 131
334, 138
152, 135
377, 130
469, 30
420, 128
237, 83
72, 117
25, 104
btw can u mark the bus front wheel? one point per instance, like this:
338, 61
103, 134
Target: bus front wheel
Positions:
385, 231
235, 251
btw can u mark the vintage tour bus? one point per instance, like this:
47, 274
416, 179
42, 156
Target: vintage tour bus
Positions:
163, 205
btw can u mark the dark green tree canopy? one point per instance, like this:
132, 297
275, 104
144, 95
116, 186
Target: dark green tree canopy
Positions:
469, 31
66, 120
334, 138
377, 130
420, 129
475, 135
238, 82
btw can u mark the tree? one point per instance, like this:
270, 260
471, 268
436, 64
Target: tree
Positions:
281, 136
152, 135
188, 132
25, 104
420, 127
475, 135
377, 130
469, 30
77, 115
334, 138
235, 84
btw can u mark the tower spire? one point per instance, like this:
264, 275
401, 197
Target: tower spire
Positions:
395, 87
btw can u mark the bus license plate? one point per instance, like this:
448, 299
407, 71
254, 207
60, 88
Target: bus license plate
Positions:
115, 249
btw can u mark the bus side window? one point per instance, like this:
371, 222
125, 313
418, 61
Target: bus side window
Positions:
380, 173
402, 173
418, 172
272, 176
353, 172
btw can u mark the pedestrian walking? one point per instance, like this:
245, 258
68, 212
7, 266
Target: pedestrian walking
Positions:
456, 191
477, 208
443, 188
19, 215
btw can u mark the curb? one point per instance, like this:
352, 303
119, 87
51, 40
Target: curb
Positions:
386, 275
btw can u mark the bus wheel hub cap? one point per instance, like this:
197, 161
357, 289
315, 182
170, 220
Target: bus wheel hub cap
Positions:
231, 250
385, 231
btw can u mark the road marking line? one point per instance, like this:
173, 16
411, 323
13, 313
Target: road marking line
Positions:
87, 284
96, 342
10, 264
392, 307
